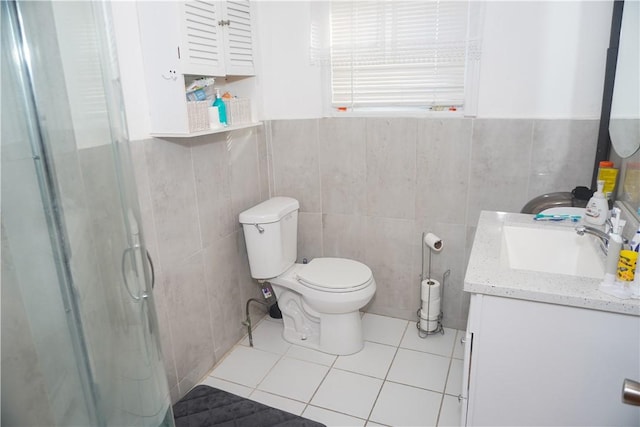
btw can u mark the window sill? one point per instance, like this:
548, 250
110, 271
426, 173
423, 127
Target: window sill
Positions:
399, 113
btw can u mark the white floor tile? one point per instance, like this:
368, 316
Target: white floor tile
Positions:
436, 344
349, 393
278, 402
382, 329
419, 369
310, 355
372, 424
267, 336
246, 366
237, 389
401, 405
330, 418
294, 378
458, 348
374, 360
451, 412
454, 380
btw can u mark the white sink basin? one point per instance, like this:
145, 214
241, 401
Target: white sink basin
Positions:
552, 250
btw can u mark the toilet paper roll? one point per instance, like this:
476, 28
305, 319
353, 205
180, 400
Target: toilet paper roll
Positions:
431, 315
430, 290
432, 306
428, 325
433, 241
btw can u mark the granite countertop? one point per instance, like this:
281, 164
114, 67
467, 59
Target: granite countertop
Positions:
488, 274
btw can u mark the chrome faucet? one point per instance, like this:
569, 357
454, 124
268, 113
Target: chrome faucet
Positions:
601, 235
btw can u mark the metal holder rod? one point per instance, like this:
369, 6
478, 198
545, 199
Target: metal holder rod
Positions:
439, 329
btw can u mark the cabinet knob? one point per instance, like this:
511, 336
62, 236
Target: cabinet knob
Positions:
222, 23
463, 340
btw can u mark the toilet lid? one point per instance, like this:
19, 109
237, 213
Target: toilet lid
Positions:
335, 274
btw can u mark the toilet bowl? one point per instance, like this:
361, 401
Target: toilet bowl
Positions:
319, 301
320, 307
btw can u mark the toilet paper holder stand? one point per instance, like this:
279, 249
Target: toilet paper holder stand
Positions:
422, 333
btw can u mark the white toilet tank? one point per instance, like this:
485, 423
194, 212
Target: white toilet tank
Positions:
271, 234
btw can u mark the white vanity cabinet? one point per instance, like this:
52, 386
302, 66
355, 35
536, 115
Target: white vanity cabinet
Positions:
535, 363
181, 40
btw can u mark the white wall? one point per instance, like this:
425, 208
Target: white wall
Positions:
539, 60
542, 59
125, 23
290, 86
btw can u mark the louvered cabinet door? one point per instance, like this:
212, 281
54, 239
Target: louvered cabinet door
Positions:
202, 47
238, 38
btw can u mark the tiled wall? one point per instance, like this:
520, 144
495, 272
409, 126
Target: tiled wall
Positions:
368, 188
191, 192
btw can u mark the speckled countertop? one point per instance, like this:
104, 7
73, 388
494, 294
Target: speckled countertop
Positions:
487, 273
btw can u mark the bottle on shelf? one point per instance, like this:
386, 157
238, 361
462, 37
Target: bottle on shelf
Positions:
222, 109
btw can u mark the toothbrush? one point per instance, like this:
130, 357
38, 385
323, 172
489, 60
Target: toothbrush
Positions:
545, 217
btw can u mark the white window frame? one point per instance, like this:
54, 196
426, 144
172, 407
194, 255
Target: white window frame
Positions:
320, 55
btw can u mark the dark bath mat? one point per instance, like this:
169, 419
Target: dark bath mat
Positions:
206, 406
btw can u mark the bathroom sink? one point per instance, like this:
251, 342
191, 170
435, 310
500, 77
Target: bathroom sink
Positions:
551, 250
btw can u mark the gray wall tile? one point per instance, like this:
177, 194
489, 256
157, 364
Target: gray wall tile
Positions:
388, 252
245, 177
391, 167
309, 236
173, 196
183, 286
223, 292
295, 162
562, 155
343, 170
500, 159
213, 188
442, 171
141, 176
343, 236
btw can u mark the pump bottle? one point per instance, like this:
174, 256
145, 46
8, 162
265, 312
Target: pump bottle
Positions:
598, 208
222, 109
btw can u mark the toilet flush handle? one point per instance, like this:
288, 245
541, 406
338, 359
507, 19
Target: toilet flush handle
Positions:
260, 229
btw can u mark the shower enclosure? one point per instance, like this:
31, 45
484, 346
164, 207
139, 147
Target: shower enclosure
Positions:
79, 330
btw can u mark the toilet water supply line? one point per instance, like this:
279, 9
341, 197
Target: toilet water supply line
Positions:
270, 298
435, 245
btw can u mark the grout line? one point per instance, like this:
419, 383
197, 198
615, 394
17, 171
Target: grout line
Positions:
330, 368
387, 374
321, 382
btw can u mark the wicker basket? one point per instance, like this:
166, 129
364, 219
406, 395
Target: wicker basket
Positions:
198, 115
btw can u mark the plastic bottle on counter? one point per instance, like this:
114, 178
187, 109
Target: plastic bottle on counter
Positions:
597, 209
608, 174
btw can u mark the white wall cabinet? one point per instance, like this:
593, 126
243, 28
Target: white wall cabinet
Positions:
531, 363
180, 39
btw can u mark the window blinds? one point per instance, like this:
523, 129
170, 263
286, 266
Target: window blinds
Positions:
398, 53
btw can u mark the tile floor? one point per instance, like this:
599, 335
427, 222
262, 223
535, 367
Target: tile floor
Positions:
398, 379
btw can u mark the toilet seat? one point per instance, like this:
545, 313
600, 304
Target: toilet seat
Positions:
335, 275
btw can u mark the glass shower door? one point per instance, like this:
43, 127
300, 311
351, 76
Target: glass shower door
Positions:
79, 329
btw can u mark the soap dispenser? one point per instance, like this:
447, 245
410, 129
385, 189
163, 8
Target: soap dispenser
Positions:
598, 208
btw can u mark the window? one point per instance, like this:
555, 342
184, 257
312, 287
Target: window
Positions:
400, 54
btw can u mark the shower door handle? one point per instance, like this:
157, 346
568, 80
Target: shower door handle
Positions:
153, 270
137, 261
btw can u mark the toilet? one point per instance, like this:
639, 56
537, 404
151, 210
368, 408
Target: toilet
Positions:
319, 301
